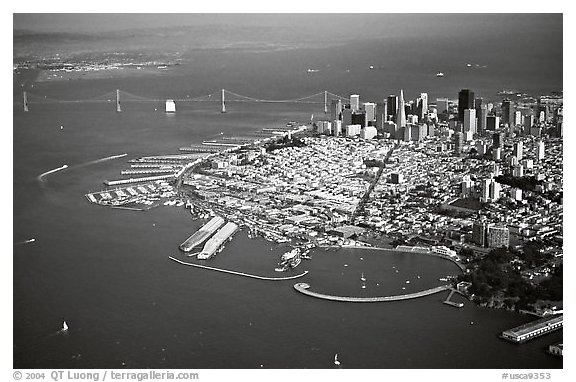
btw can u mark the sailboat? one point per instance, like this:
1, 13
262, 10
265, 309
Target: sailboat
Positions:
362, 277
336, 362
64, 326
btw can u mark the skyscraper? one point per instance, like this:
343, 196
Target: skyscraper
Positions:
335, 109
370, 109
401, 117
540, 150
498, 140
481, 115
507, 112
458, 142
422, 105
392, 106
492, 122
470, 120
465, 101
355, 102
518, 150
381, 115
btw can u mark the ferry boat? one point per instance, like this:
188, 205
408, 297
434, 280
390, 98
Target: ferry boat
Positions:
290, 259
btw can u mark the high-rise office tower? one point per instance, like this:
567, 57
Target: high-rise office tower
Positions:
381, 115
492, 122
422, 106
401, 117
458, 142
392, 106
498, 140
346, 117
507, 112
517, 151
370, 109
465, 101
442, 105
540, 150
528, 122
470, 120
335, 109
481, 116
517, 118
355, 102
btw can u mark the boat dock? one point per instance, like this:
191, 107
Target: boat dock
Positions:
452, 303
138, 180
149, 171
304, 288
533, 329
202, 234
240, 273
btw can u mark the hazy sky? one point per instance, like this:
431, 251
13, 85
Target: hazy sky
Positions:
353, 24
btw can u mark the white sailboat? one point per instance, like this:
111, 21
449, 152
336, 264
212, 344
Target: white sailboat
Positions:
336, 362
64, 326
362, 277
170, 106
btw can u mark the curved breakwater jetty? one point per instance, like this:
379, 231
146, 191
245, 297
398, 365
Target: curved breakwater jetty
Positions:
240, 273
304, 288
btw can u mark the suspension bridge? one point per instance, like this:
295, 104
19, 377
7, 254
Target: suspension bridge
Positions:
221, 96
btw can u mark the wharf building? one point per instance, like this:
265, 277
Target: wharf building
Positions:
533, 329
465, 101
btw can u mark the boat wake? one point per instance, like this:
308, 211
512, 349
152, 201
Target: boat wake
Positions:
44, 174
25, 241
98, 161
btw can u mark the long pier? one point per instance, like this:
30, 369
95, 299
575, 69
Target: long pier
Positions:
448, 300
304, 288
240, 273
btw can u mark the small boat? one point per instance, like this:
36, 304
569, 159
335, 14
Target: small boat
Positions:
362, 277
64, 326
336, 362
363, 286
439, 74
407, 281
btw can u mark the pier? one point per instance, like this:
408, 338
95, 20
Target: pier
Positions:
533, 329
239, 273
304, 288
448, 300
138, 180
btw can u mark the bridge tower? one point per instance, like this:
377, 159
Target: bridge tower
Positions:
118, 108
223, 103
325, 101
25, 101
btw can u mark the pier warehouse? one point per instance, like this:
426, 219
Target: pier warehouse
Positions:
216, 242
533, 329
202, 234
